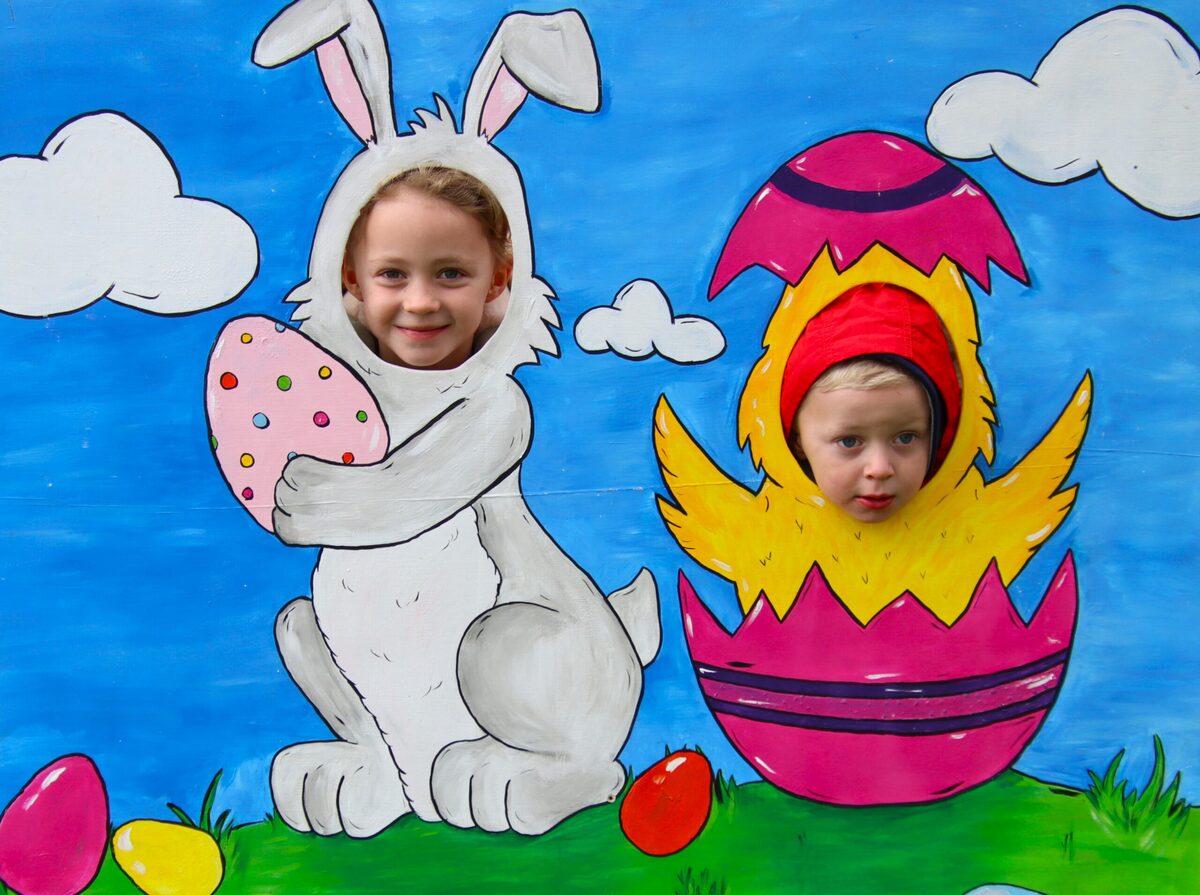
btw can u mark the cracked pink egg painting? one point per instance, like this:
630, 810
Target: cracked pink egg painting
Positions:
878, 662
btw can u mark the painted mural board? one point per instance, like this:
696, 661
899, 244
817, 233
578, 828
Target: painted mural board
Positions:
574, 614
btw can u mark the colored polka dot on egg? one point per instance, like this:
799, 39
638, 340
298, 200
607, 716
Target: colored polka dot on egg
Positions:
272, 392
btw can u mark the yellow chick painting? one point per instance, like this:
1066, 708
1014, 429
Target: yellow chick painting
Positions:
919, 598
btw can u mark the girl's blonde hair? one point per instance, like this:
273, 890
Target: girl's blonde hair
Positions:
462, 190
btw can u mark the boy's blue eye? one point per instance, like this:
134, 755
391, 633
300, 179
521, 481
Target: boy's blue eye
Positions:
906, 438
452, 274
390, 274
848, 441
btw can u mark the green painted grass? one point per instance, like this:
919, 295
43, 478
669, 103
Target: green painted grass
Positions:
221, 828
1142, 819
758, 841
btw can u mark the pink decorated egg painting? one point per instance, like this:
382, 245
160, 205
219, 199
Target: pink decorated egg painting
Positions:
271, 394
53, 834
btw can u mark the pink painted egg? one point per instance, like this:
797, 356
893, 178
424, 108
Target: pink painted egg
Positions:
903, 710
272, 393
54, 833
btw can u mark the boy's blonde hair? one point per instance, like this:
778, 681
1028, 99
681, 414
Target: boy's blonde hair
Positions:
462, 190
857, 372
862, 373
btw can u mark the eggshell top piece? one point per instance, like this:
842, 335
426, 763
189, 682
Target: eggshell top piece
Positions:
271, 393
854, 190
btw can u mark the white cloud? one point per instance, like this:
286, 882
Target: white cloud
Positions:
99, 215
639, 323
1119, 92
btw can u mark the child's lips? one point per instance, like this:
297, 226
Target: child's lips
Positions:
875, 501
423, 334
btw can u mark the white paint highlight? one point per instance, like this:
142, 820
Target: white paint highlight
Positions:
1038, 535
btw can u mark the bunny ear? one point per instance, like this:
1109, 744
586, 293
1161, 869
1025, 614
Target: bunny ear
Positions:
351, 52
551, 56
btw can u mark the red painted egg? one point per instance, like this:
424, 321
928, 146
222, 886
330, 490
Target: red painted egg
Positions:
54, 833
668, 805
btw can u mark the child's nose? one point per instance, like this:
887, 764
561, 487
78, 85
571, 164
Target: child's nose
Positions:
420, 297
878, 464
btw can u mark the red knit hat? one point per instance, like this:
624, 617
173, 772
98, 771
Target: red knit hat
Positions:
879, 321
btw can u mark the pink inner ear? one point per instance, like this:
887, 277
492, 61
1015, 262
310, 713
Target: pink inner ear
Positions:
344, 89
503, 100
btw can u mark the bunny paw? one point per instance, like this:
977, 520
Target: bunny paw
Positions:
333, 787
484, 783
304, 494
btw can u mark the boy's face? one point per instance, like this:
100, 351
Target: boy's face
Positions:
868, 448
423, 270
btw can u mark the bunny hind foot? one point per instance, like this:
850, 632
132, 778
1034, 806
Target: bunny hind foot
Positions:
335, 787
487, 784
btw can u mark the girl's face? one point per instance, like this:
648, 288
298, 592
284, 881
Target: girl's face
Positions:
424, 271
868, 448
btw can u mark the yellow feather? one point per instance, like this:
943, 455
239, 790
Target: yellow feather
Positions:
936, 547
703, 494
1028, 498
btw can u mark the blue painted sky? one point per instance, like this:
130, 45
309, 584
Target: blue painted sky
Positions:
137, 600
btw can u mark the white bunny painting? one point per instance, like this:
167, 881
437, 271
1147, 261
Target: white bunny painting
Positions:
470, 670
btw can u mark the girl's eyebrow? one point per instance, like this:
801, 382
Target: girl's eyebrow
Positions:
384, 257
439, 261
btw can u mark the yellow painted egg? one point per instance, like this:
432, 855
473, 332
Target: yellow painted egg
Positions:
167, 858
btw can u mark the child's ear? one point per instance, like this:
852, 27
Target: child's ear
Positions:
350, 280
500, 279
797, 448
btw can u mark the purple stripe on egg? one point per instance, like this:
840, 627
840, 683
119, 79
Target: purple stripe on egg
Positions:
902, 727
933, 186
893, 690
890, 709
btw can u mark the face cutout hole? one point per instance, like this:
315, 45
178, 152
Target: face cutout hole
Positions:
877, 362
427, 268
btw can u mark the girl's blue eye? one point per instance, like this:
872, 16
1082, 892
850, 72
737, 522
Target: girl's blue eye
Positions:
906, 438
452, 274
848, 442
